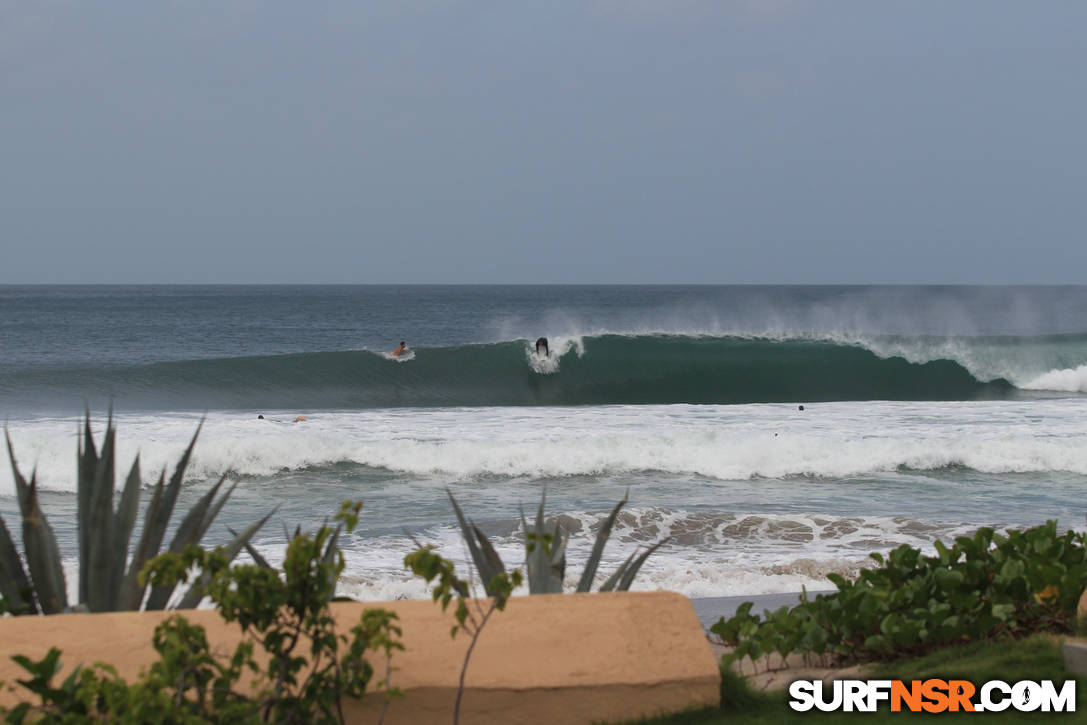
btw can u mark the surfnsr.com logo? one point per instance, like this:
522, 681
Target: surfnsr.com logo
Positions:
932, 695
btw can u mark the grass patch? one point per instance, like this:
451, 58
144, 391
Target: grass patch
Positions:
1034, 658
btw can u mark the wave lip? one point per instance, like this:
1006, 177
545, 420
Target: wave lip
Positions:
597, 370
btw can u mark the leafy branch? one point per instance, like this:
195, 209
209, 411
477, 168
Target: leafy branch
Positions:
429, 565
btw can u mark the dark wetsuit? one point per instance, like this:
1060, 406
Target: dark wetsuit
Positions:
541, 344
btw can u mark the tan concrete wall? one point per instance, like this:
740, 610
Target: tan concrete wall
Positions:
562, 658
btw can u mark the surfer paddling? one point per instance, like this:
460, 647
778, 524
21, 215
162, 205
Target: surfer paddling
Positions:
541, 348
298, 419
400, 350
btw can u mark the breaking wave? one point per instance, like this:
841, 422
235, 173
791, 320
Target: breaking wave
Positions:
593, 370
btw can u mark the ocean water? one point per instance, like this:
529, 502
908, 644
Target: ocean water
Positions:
927, 412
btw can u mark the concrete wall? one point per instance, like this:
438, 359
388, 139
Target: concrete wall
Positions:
562, 658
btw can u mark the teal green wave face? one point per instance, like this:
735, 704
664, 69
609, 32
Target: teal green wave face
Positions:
609, 369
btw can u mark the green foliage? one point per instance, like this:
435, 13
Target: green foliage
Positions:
425, 563
984, 586
304, 671
1036, 657
108, 579
287, 613
545, 554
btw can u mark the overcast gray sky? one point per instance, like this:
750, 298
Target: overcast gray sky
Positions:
552, 140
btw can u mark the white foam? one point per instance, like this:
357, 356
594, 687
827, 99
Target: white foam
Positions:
1070, 380
709, 554
727, 443
403, 357
743, 561
558, 347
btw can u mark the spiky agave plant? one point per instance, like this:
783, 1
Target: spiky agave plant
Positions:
108, 578
545, 554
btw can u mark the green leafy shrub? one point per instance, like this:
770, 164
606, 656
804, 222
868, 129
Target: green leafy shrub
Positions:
545, 554
984, 586
308, 666
108, 579
186, 685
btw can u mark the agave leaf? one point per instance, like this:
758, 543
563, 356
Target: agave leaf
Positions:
330, 547
612, 580
105, 469
99, 562
540, 513
534, 566
95, 517
191, 530
156, 522
39, 542
556, 557
493, 565
240, 541
124, 521
86, 472
169, 497
21, 488
330, 552
558, 553
329, 555
131, 595
585, 584
195, 594
542, 577
188, 532
43, 555
632, 570
106, 473
14, 584
213, 512
478, 559
256, 556
253, 553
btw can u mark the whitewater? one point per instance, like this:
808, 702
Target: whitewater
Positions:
927, 412
818, 488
